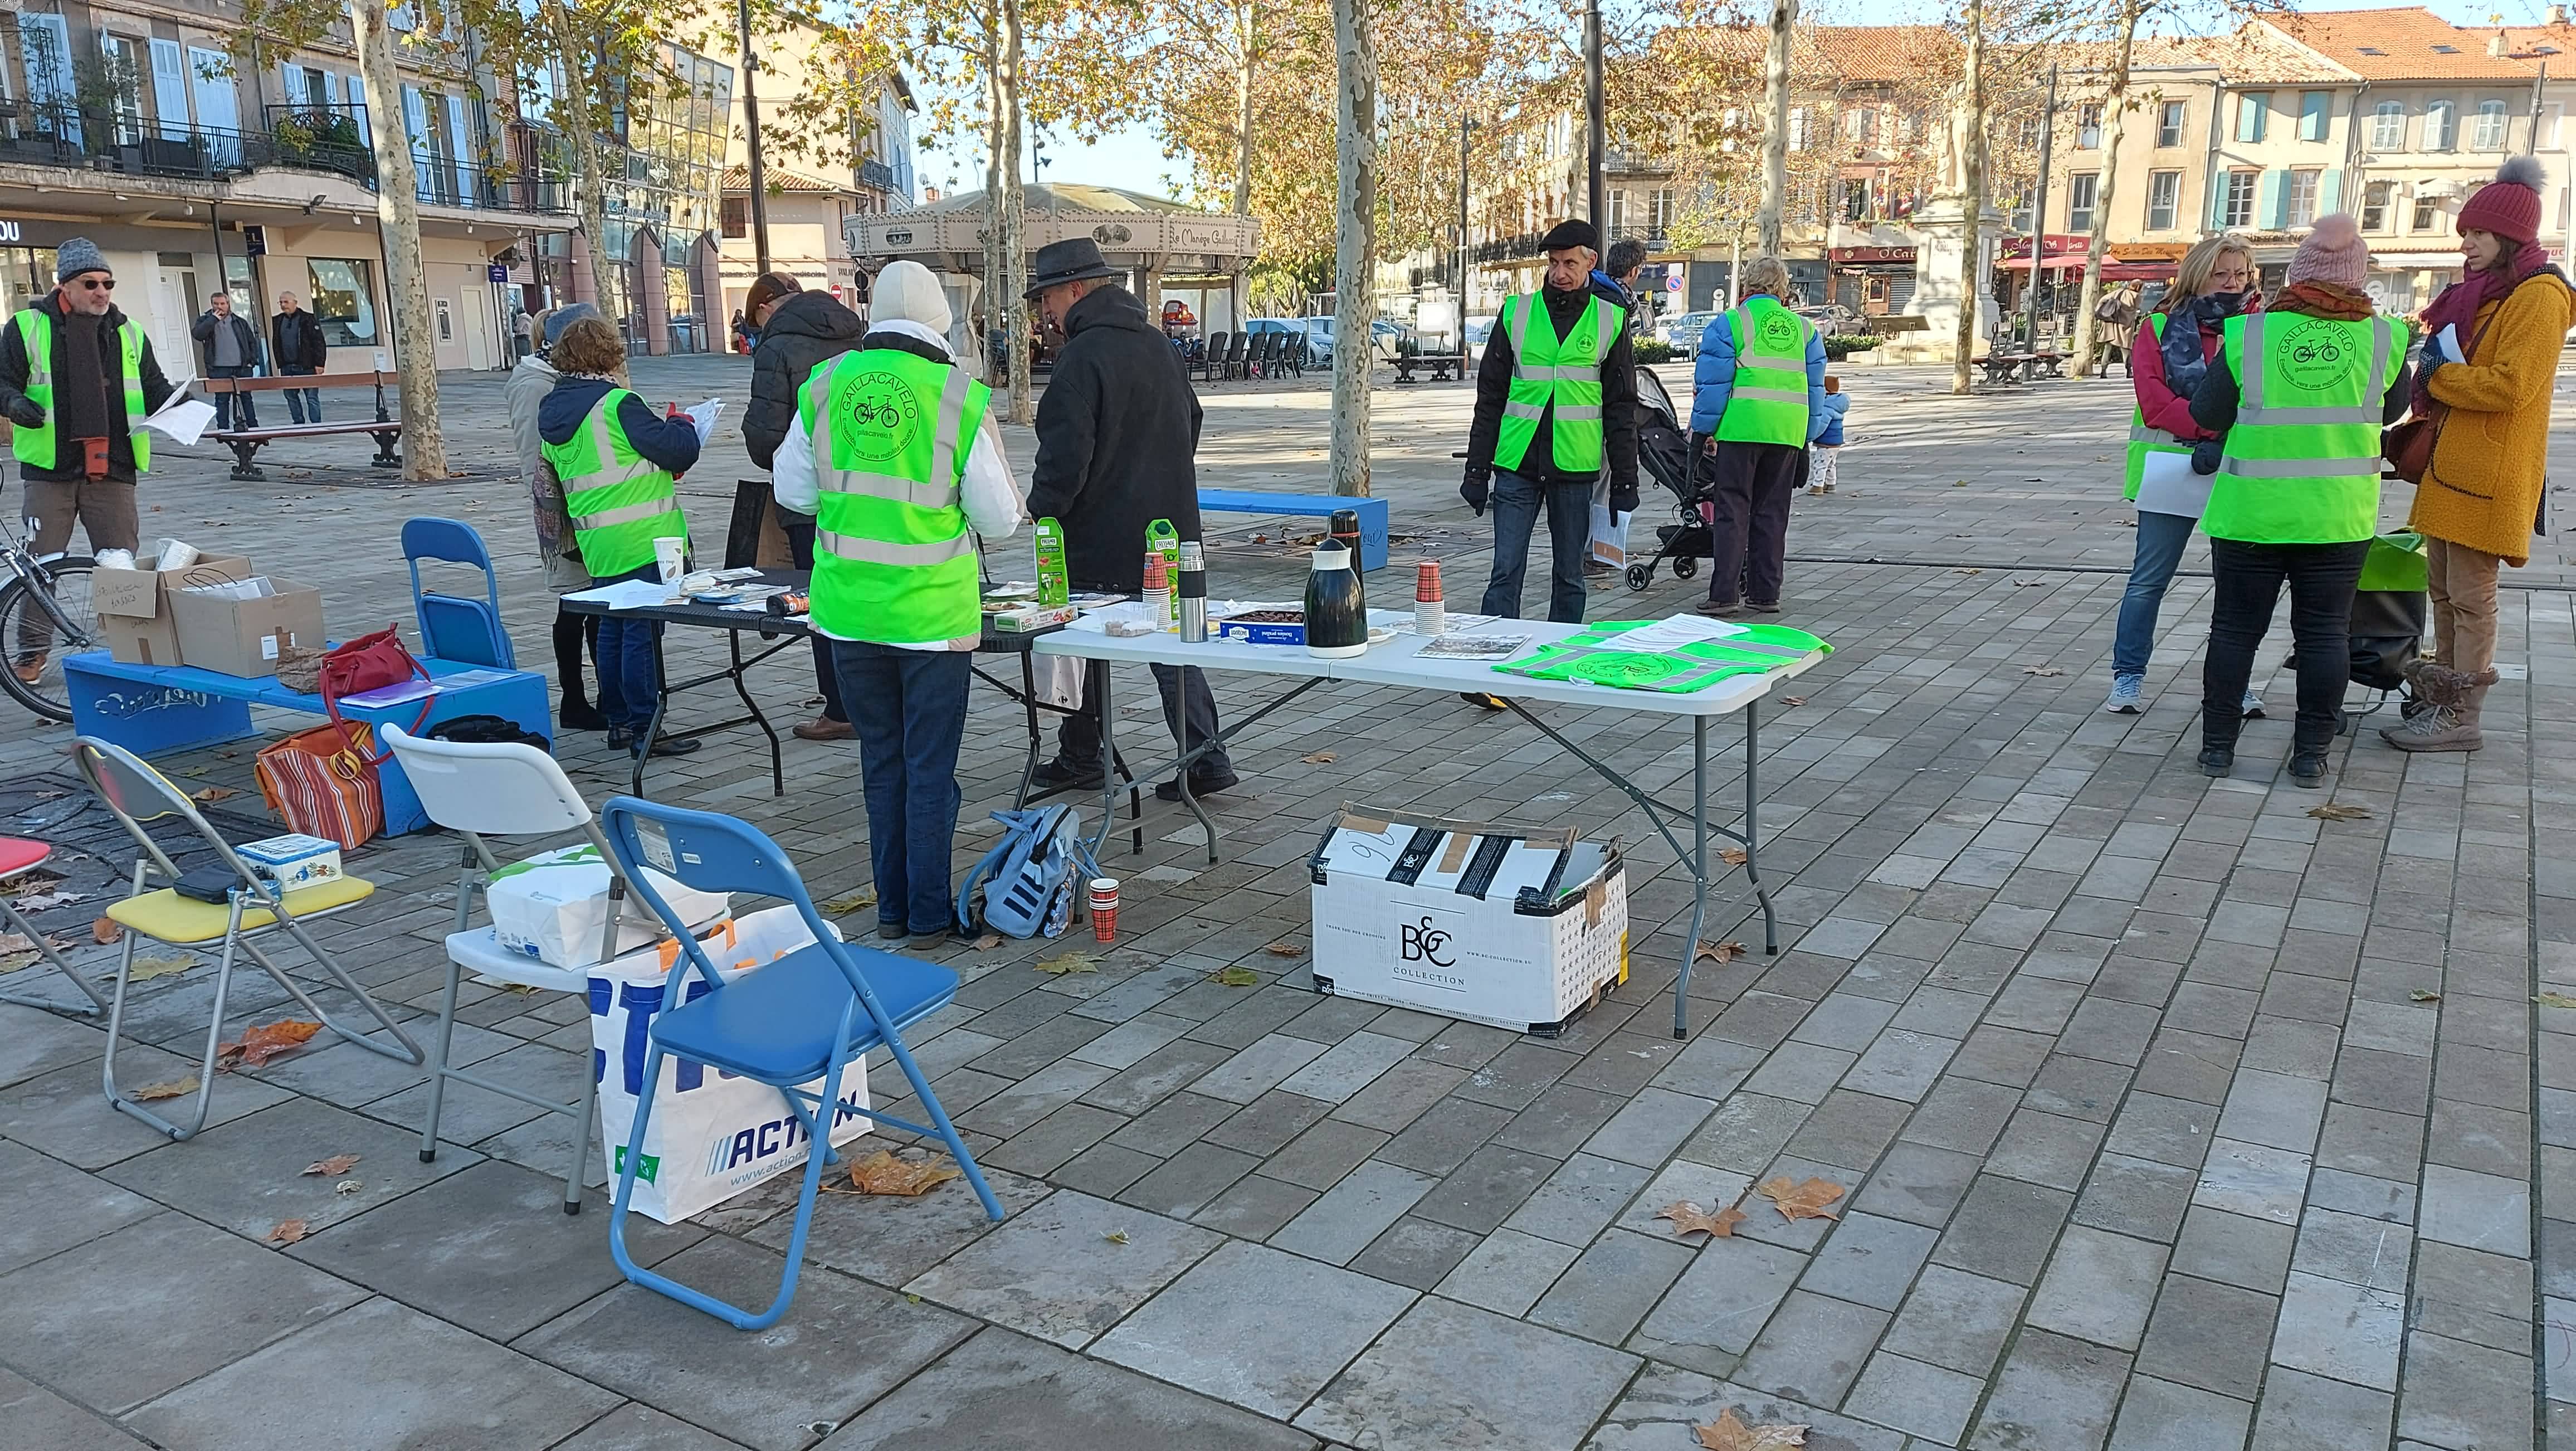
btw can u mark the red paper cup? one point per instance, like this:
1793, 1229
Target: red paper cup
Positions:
1104, 924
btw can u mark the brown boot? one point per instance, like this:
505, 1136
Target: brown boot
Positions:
2449, 722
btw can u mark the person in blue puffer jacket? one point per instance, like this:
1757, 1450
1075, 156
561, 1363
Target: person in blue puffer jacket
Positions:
1829, 443
1753, 422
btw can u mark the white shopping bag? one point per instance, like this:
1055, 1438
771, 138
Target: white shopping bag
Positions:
1609, 536
712, 1135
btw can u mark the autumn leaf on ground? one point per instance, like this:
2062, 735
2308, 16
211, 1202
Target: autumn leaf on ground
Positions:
1689, 1219
335, 1165
1116, 1236
2555, 1000
349, 1186
2041, 670
155, 1092
1733, 856
1065, 963
105, 932
1793, 700
883, 1173
2425, 995
1236, 977
1320, 758
209, 795
2028, 583
1285, 949
851, 901
266, 1041
1801, 1201
46, 901
288, 1231
2339, 811
988, 942
1967, 571
16, 942
148, 968
1718, 952
1728, 1433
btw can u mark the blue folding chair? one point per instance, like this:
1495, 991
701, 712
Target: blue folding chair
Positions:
453, 627
805, 1016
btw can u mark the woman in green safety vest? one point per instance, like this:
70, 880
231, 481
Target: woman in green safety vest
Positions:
619, 463
2297, 396
1760, 401
2175, 345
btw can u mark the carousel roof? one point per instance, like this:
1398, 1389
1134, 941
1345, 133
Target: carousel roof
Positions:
1132, 228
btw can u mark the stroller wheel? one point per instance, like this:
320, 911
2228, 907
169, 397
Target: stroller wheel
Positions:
1684, 566
1640, 576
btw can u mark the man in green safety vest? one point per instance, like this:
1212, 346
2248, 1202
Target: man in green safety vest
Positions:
895, 454
1556, 405
77, 377
619, 464
1760, 401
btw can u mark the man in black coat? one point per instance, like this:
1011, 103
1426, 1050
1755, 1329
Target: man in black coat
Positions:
799, 331
1118, 431
229, 347
295, 340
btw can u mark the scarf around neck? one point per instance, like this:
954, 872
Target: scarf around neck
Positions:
2458, 305
2185, 360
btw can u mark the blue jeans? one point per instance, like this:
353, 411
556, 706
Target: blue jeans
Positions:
629, 686
304, 405
1516, 502
224, 402
910, 710
2161, 538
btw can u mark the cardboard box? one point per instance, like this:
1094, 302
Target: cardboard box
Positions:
293, 861
554, 907
133, 605
1516, 927
240, 629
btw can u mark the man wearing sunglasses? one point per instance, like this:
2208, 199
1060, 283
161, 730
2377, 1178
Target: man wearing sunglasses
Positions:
77, 377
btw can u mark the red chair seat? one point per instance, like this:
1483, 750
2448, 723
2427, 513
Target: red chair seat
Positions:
18, 854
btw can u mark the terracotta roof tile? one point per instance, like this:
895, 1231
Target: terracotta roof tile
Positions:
2405, 44
2541, 42
1888, 54
780, 178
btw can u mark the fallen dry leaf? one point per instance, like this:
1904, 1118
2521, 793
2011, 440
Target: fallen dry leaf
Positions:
44, 901
2554, 1000
155, 1092
1967, 571
288, 1231
348, 1186
883, 1173
1689, 1219
260, 1044
851, 901
1065, 963
1320, 758
335, 1165
1236, 977
1728, 1433
104, 932
148, 968
2028, 583
1116, 1236
209, 795
2041, 670
1285, 949
1733, 856
1793, 700
2425, 995
988, 942
1801, 1201
2339, 811
1718, 952
16, 942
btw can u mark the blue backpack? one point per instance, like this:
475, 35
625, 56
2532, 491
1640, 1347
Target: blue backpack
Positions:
1028, 880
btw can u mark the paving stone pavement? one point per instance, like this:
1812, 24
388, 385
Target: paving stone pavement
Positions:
2169, 1114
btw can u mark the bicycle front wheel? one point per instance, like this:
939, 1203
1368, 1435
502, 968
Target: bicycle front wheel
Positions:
43, 618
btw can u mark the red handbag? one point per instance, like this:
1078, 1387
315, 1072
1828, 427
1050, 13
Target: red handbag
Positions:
370, 662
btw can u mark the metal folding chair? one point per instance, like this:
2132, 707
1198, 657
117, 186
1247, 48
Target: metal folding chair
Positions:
807, 1015
253, 908
479, 791
454, 627
19, 856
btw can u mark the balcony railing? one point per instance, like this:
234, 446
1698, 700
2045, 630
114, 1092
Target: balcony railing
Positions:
329, 138
876, 174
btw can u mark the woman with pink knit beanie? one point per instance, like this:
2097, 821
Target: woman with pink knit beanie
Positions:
2480, 499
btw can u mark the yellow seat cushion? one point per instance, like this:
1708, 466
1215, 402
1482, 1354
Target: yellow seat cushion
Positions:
165, 916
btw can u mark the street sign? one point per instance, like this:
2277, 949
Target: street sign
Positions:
1672, 282
255, 240
497, 272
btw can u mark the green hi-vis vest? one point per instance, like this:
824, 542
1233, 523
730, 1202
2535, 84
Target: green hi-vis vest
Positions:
1564, 374
892, 560
2302, 461
1592, 656
37, 445
2142, 439
619, 500
1768, 403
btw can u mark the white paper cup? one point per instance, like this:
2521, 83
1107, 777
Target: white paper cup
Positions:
671, 555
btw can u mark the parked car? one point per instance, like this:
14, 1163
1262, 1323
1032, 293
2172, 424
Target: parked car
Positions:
1683, 330
1479, 329
1831, 318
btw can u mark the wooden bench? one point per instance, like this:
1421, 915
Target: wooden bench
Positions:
247, 442
153, 710
2003, 367
1374, 515
1443, 366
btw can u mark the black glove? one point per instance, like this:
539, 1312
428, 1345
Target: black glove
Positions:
1474, 488
1623, 496
26, 412
2205, 455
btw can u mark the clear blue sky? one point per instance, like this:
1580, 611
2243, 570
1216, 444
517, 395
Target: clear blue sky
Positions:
1134, 159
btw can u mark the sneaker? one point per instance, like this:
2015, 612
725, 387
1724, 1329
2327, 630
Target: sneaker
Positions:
892, 931
2217, 760
2128, 693
1483, 699
2308, 770
823, 728
31, 668
1058, 774
1818, 489
1199, 786
1772, 608
2252, 706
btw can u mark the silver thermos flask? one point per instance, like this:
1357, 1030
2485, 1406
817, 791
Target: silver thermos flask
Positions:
1193, 592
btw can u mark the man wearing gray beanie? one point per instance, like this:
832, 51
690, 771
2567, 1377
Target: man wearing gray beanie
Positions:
77, 377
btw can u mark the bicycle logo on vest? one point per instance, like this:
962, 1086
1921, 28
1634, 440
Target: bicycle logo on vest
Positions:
1779, 332
879, 416
2315, 355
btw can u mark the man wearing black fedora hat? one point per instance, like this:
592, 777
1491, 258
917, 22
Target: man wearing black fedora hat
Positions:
1118, 431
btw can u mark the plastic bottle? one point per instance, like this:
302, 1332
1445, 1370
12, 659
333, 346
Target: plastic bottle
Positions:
1054, 587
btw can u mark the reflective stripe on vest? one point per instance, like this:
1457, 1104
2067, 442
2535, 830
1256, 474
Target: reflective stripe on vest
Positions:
893, 561
37, 445
2302, 460
1768, 400
2144, 440
1558, 375
619, 501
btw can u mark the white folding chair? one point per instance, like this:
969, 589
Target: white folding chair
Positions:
253, 908
497, 790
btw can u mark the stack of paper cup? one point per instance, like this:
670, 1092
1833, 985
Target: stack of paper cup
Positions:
1104, 908
671, 555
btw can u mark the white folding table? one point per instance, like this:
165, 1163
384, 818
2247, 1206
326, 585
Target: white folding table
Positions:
1397, 663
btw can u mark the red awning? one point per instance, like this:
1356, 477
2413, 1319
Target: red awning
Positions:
2053, 262
2113, 269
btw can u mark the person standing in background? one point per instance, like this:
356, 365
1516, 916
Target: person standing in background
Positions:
798, 331
1616, 283
295, 340
228, 346
521, 396
1759, 403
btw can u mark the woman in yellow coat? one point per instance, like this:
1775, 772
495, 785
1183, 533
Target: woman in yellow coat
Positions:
2480, 499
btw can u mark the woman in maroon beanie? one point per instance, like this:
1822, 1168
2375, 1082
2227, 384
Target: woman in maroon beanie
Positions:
2480, 500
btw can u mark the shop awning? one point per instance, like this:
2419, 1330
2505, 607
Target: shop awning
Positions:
2113, 269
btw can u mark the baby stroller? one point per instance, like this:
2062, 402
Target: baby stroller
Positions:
2387, 621
1664, 449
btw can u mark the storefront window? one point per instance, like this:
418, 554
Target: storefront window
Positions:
344, 299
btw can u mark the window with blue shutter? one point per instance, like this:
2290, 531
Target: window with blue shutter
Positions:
2273, 205
2313, 121
2329, 191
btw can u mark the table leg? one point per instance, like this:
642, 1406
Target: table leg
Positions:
1037, 734
1699, 873
1753, 826
777, 766
1099, 691
661, 704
